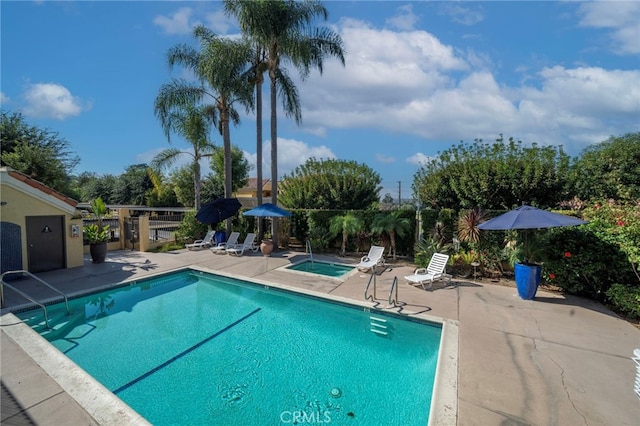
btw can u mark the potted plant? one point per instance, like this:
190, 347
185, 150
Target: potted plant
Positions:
266, 245
97, 234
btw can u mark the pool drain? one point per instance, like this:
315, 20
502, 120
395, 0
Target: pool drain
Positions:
335, 392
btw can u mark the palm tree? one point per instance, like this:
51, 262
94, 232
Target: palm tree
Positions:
347, 224
222, 67
391, 225
283, 29
194, 124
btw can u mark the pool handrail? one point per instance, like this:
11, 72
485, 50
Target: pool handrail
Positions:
394, 285
26, 296
366, 290
309, 250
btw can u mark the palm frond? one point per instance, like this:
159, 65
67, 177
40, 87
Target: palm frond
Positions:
167, 158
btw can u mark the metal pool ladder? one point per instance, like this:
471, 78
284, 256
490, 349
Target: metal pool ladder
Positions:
309, 250
26, 296
393, 298
378, 325
372, 278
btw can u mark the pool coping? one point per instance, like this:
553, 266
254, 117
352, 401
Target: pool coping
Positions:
107, 408
98, 401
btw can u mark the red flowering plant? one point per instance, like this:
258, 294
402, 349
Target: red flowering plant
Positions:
588, 260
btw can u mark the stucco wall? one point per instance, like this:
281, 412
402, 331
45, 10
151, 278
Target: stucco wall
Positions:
19, 205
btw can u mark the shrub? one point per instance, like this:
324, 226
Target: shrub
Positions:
425, 249
590, 259
625, 299
190, 229
578, 261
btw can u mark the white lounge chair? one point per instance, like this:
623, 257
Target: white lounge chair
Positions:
248, 244
371, 260
435, 271
231, 242
636, 359
207, 241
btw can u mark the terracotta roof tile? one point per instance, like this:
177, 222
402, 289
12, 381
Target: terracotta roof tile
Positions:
41, 187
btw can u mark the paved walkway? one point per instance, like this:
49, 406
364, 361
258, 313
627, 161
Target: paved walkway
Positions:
555, 360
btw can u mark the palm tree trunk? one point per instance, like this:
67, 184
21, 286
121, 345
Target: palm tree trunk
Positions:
392, 237
226, 138
196, 184
259, 150
274, 156
345, 237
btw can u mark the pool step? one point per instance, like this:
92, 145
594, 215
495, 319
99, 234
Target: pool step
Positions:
379, 326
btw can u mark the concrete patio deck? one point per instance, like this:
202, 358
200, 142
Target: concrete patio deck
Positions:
554, 360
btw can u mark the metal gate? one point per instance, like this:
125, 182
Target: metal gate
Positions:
132, 233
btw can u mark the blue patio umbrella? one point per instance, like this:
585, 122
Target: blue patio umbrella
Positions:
216, 211
527, 217
267, 210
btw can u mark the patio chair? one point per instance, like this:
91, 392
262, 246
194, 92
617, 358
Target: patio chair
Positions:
248, 244
221, 248
373, 259
433, 272
636, 359
207, 241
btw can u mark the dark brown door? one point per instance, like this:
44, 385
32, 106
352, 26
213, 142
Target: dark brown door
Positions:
45, 243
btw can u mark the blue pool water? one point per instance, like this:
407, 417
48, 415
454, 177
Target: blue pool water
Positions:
192, 348
322, 268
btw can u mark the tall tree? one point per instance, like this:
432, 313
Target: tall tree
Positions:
494, 176
610, 169
330, 184
239, 167
222, 68
162, 194
285, 30
194, 124
41, 154
212, 185
132, 186
90, 185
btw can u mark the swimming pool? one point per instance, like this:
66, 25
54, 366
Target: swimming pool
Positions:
211, 349
319, 267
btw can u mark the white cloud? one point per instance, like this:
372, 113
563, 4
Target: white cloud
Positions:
461, 14
4, 98
291, 154
418, 159
621, 17
50, 100
410, 83
218, 22
405, 19
147, 156
177, 23
383, 158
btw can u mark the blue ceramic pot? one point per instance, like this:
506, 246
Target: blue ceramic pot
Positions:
527, 280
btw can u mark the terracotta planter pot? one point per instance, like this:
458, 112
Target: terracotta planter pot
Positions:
266, 247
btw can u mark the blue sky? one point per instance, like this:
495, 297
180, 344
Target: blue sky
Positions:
419, 78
